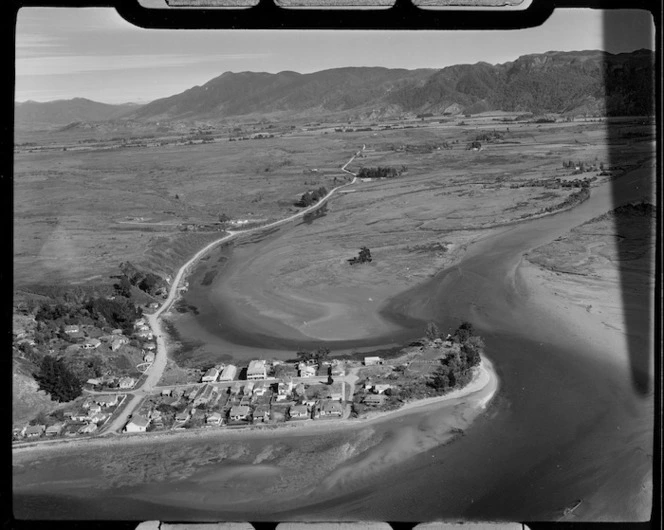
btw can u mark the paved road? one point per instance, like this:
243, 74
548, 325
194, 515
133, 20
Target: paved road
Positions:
157, 369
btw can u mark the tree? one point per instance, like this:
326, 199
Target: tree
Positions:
304, 355
432, 332
56, 379
464, 332
123, 288
472, 349
321, 354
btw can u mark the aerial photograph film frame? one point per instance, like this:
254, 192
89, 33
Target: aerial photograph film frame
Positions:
404, 15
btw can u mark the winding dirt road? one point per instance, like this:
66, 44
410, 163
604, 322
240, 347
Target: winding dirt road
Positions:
157, 369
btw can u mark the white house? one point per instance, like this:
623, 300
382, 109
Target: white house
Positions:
71, 329
257, 370
285, 387
148, 357
239, 413
381, 388
213, 419
91, 344
118, 342
108, 400
331, 408
33, 431
127, 382
88, 429
369, 361
298, 411
228, 373
306, 370
54, 430
137, 424
211, 375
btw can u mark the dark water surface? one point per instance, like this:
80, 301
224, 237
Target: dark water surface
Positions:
566, 423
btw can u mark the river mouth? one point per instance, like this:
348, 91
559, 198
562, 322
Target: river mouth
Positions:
565, 424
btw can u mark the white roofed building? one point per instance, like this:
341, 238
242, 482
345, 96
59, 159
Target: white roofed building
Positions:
257, 370
229, 372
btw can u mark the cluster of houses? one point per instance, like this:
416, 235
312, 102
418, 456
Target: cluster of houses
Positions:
267, 392
87, 419
261, 369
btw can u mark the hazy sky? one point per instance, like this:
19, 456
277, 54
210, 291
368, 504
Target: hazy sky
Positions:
93, 53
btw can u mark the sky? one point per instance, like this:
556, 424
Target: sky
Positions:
62, 53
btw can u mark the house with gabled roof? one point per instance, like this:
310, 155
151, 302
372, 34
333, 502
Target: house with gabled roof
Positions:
299, 412
228, 373
239, 413
107, 400
88, 429
257, 369
306, 370
211, 375
182, 417
126, 382
73, 328
33, 431
331, 408
213, 419
374, 399
137, 424
55, 429
262, 413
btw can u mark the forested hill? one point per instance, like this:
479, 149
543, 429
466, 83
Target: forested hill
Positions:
580, 82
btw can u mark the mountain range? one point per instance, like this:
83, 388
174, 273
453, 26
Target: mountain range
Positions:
578, 82
31, 114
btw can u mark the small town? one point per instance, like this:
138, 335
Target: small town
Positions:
262, 393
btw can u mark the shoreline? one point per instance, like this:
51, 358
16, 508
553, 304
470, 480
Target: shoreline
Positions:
485, 378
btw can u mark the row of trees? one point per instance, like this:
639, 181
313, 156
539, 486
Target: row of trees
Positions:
381, 172
311, 197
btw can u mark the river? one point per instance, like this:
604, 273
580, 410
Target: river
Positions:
566, 423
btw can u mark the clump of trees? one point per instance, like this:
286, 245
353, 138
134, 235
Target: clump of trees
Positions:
309, 217
101, 312
311, 197
456, 369
145, 281
363, 257
55, 378
318, 355
474, 145
489, 136
381, 172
